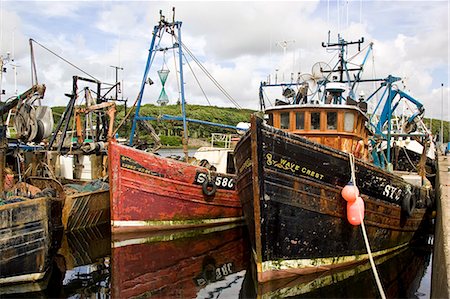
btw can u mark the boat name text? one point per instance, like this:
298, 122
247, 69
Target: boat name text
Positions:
291, 166
245, 165
129, 163
220, 272
392, 192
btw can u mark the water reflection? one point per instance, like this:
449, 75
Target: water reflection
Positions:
85, 263
206, 263
180, 265
400, 275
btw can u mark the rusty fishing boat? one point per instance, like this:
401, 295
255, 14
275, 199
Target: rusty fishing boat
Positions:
150, 192
293, 166
78, 159
30, 215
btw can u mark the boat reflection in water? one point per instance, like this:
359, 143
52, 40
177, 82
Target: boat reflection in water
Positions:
86, 255
184, 264
401, 275
79, 267
207, 263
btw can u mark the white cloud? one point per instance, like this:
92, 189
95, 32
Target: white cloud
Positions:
236, 41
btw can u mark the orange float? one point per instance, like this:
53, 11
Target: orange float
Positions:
355, 211
350, 192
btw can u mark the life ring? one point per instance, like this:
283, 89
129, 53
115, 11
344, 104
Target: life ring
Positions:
408, 203
209, 187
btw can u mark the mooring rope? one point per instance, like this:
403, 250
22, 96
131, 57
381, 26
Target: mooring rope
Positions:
363, 228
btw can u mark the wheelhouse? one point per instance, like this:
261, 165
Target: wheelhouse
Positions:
342, 127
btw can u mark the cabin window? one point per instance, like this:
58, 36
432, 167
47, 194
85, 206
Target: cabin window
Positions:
270, 119
300, 120
331, 121
284, 120
315, 121
349, 121
230, 163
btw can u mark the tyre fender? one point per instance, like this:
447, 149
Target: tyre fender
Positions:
209, 187
408, 203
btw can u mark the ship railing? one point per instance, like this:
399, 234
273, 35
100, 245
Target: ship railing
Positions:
221, 140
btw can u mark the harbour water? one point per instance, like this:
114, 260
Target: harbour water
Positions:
208, 263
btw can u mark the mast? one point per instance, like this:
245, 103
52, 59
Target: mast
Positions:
158, 32
183, 102
342, 67
173, 28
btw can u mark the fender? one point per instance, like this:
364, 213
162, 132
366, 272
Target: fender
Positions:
408, 203
209, 188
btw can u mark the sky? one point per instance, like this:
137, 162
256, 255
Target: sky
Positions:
240, 43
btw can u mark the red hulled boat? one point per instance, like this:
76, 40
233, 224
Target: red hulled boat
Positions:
151, 192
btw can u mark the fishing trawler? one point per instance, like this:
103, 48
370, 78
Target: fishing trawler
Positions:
150, 192
30, 226
314, 170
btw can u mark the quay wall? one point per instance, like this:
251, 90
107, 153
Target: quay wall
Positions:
440, 276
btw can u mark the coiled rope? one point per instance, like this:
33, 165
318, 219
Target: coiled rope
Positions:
363, 228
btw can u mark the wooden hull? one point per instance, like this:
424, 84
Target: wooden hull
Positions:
27, 239
87, 209
296, 215
149, 192
178, 265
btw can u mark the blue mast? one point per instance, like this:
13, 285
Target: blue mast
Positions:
151, 55
158, 32
183, 106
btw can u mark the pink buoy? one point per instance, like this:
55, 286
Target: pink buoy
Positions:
350, 192
355, 211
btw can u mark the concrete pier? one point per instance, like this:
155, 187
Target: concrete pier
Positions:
440, 277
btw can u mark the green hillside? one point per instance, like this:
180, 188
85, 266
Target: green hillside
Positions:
171, 131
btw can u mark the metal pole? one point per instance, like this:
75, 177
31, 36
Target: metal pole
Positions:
144, 79
117, 78
1, 77
389, 103
3, 148
441, 135
183, 102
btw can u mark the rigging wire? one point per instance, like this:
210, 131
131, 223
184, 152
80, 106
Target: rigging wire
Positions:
198, 82
213, 79
208, 74
62, 58
176, 74
359, 52
409, 160
270, 102
374, 76
140, 91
